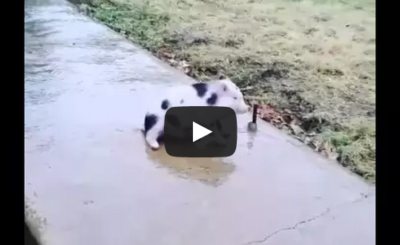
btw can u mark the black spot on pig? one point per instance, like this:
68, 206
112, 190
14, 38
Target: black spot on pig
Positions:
165, 104
213, 99
201, 89
149, 121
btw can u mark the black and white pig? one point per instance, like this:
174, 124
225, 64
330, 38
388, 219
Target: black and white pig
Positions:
215, 93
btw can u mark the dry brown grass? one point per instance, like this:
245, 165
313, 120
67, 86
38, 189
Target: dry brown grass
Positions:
316, 58
330, 47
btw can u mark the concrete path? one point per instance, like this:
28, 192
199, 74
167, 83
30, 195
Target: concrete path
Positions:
90, 180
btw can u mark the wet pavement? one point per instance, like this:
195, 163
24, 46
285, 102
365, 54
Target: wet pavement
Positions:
90, 179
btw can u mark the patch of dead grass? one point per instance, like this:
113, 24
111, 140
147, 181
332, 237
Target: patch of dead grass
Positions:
316, 58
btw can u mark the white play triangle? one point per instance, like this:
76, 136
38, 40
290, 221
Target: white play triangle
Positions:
199, 132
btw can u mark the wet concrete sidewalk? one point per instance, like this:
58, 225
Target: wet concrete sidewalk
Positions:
89, 179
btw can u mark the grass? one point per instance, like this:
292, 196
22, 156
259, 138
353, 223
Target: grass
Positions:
315, 59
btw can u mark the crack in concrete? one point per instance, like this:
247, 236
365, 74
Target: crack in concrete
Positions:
291, 227
362, 197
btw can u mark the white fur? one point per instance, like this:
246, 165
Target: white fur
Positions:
229, 95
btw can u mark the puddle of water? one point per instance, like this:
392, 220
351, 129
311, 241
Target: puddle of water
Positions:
210, 171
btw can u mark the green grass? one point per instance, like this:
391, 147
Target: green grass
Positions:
314, 58
355, 147
138, 24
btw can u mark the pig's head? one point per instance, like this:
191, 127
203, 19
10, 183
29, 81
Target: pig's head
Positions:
230, 96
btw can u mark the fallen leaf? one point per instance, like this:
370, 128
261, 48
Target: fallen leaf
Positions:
267, 112
296, 129
328, 151
172, 62
168, 55
184, 66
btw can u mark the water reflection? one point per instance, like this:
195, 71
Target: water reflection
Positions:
210, 171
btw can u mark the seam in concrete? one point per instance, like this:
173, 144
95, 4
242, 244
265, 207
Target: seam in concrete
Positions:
266, 238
